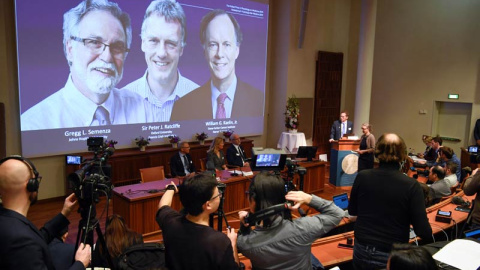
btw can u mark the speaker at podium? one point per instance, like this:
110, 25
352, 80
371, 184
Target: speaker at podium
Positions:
343, 162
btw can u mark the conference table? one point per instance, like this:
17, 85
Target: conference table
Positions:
138, 203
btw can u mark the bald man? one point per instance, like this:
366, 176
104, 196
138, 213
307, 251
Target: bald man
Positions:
235, 153
23, 245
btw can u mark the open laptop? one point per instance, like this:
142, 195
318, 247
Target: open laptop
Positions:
341, 200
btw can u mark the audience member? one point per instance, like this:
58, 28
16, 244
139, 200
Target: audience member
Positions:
386, 202
63, 252
472, 187
429, 155
341, 127
215, 154
235, 153
163, 40
118, 237
466, 172
23, 245
96, 40
440, 187
446, 154
224, 95
476, 132
367, 148
189, 241
405, 256
181, 163
436, 145
278, 242
426, 194
450, 173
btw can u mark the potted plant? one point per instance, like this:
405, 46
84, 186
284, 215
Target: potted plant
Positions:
227, 134
174, 139
141, 142
201, 137
109, 143
292, 114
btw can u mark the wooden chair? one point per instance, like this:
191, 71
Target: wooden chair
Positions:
203, 164
152, 174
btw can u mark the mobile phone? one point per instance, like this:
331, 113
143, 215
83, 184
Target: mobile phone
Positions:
462, 209
444, 213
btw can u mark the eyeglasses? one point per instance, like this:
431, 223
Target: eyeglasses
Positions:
220, 194
118, 49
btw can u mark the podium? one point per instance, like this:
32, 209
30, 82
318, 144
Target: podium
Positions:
343, 162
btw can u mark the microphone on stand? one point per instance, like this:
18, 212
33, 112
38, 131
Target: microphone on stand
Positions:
234, 169
286, 147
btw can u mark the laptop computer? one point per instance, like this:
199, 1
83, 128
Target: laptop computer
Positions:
341, 200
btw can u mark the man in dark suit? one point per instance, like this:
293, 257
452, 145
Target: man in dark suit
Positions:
23, 245
235, 153
63, 252
224, 95
181, 163
341, 127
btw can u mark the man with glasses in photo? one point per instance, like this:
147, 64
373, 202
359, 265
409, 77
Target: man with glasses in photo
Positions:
190, 243
224, 95
96, 36
163, 40
181, 163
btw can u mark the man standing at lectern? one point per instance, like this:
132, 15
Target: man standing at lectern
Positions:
96, 36
224, 95
341, 127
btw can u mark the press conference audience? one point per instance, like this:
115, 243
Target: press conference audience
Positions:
23, 245
472, 187
63, 252
190, 243
367, 148
410, 257
436, 145
278, 242
235, 153
386, 202
430, 154
446, 154
440, 187
118, 237
181, 163
450, 173
215, 154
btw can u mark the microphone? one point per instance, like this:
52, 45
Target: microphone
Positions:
234, 167
253, 218
107, 153
286, 147
460, 201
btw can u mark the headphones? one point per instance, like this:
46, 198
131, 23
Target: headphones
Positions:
33, 183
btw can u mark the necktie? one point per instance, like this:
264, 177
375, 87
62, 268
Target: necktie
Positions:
185, 163
102, 116
221, 114
241, 154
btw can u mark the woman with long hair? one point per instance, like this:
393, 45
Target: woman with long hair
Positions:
215, 154
118, 237
367, 148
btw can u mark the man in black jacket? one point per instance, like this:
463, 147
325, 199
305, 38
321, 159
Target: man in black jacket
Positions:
235, 153
181, 163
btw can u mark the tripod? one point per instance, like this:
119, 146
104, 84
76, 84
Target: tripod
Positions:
220, 213
85, 230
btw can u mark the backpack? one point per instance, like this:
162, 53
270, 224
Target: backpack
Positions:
148, 256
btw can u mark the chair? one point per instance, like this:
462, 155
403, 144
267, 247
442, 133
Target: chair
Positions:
152, 174
203, 164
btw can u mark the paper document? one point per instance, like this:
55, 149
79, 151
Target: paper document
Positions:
460, 253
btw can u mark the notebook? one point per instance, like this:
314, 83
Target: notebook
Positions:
341, 201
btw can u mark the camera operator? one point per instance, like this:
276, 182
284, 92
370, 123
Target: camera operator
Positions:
277, 242
23, 245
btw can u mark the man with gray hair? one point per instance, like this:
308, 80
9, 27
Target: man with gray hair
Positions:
96, 38
224, 95
163, 40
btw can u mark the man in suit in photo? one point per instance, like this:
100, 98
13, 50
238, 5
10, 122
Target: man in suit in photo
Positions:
23, 245
181, 163
224, 95
341, 127
235, 153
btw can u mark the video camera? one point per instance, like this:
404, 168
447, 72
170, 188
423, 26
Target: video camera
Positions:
474, 154
94, 176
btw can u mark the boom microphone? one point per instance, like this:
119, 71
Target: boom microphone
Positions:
253, 218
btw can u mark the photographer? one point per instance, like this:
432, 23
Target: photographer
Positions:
23, 245
278, 242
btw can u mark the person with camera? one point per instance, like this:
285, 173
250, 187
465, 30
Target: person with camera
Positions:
190, 243
23, 245
278, 242
472, 187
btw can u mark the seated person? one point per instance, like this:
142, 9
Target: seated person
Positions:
450, 173
215, 154
277, 242
235, 153
429, 155
189, 242
440, 187
118, 237
181, 163
405, 256
63, 252
446, 154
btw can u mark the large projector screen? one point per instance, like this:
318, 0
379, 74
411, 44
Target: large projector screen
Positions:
57, 117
